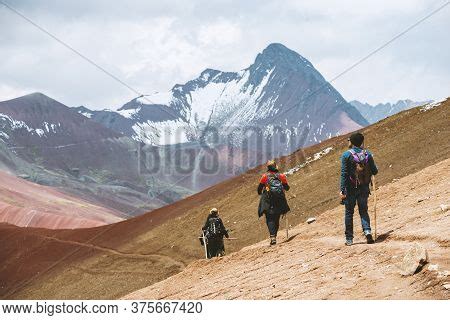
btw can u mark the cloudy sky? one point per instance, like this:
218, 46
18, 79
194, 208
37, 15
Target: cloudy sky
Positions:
152, 45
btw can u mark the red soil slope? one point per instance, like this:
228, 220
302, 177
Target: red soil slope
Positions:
27, 204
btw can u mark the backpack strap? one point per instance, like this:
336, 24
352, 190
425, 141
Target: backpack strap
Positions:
356, 156
366, 156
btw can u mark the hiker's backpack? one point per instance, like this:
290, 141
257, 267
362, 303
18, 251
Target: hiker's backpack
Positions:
214, 228
362, 169
274, 185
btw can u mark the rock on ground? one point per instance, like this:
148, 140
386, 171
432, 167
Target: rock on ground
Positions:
415, 258
310, 220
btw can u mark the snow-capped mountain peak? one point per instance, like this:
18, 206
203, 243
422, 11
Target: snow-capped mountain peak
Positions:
280, 92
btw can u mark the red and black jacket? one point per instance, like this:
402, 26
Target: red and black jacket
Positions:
265, 178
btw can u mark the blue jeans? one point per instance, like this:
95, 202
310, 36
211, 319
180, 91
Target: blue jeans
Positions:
360, 196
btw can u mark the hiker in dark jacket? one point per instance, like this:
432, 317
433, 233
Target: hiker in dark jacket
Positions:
357, 168
213, 232
273, 201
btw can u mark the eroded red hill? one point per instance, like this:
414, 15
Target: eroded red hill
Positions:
26, 204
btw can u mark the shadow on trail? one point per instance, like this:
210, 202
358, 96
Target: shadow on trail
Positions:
292, 237
382, 237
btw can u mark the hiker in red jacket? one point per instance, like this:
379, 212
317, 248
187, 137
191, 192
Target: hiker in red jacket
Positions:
273, 201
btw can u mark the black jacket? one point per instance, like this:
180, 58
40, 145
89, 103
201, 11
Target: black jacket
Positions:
223, 231
270, 204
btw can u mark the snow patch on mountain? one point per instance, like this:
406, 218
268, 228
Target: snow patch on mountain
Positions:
128, 113
18, 124
203, 100
315, 157
161, 133
430, 106
162, 98
3, 136
86, 114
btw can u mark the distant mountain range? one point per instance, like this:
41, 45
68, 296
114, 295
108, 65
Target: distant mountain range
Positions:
383, 110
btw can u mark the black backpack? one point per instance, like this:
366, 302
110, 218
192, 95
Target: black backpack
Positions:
274, 185
214, 228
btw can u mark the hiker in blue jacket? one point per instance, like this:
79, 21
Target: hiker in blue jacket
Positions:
357, 168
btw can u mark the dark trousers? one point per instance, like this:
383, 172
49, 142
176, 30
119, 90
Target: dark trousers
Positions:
273, 222
215, 248
360, 196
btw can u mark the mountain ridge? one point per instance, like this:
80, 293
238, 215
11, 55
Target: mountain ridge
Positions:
280, 94
374, 113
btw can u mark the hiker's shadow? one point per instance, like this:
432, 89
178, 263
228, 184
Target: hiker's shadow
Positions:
382, 237
292, 237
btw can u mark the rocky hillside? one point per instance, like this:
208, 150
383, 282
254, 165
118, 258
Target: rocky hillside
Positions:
115, 260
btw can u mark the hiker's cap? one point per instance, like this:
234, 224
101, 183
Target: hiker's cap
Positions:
272, 165
357, 139
214, 210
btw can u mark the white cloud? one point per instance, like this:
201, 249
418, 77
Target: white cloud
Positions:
153, 45
7, 92
220, 33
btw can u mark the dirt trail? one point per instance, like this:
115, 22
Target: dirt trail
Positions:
314, 263
117, 252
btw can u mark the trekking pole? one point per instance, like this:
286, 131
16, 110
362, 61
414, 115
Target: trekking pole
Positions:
287, 228
259, 226
374, 208
204, 244
223, 238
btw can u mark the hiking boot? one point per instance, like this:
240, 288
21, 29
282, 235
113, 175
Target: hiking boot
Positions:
369, 238
273, 241
348, 242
